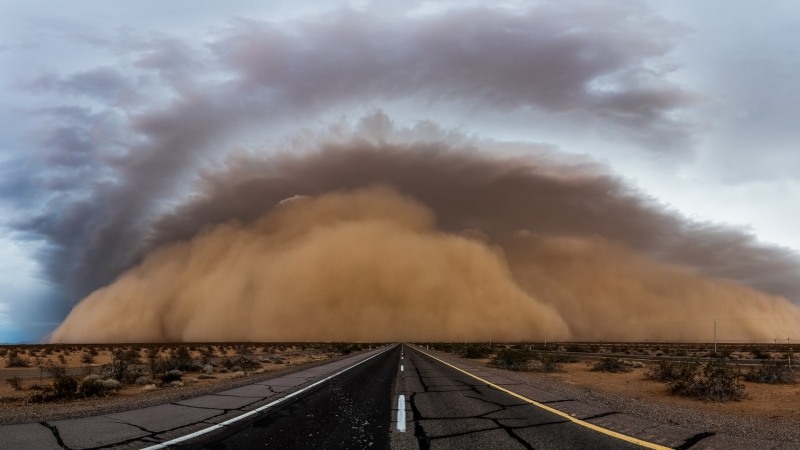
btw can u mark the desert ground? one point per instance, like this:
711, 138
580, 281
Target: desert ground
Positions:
118, 377
768, 408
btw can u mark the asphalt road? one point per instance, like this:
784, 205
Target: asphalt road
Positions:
351, 411
448, 409
443, 408
391, 397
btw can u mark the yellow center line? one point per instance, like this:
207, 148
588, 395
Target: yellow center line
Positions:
572, 419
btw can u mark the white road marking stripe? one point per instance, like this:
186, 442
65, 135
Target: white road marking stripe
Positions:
259, 409
401, 413
401, 367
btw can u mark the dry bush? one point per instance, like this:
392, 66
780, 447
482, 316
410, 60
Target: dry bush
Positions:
15, 382
512, 359
714, 380
551, 361
773, 371
613, 365
13, 359
474, 351
668, 371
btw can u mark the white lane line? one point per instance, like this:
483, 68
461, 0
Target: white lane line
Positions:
401, 413
401, 367
261, 408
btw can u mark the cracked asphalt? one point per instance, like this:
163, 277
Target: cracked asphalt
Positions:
350, 411
355, 403
448, 409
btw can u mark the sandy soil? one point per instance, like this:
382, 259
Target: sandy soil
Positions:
271, 359
762, 401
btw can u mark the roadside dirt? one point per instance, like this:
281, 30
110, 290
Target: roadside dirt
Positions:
762, 400
219, 362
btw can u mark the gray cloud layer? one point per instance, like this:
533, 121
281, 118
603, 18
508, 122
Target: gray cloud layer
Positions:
498, 197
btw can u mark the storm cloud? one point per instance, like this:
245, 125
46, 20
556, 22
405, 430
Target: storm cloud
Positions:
291, 246
173, 135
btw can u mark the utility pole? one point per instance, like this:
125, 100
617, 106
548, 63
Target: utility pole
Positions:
545, 339
715, 338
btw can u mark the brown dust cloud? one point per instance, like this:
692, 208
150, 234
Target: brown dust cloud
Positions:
365, 241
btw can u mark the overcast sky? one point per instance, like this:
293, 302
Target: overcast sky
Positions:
108, 113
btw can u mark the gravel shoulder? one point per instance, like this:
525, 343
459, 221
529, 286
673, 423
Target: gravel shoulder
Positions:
649, 400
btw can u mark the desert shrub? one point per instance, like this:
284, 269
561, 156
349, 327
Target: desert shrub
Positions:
118, 368
240, 363
512, 359
476, 351
15, 382
110, 384
144, 379
577, 348
715, 380
65, 387
155, 364
244, 350
172, 375
442, 347
668, 371
94, 386
15, 360
208, 368
87, 358
342, 348
91, 386
613, 365
772, 371
550, 361
131, 355
181, 359
760, 354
